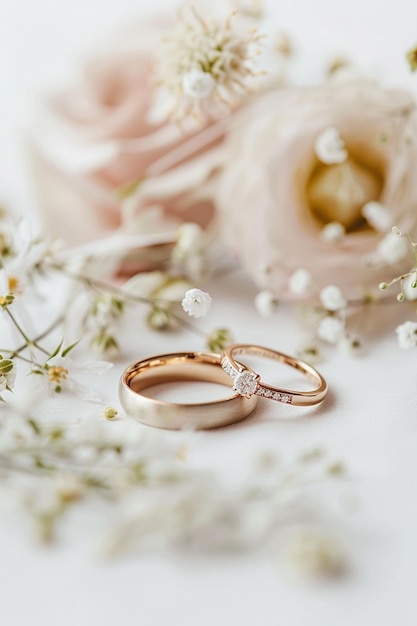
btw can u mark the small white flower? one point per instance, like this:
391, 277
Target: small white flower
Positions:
198, 84
266, 303
196, 302
392, 249
407, 335
300, 281
330, 147
60, 375
331, 329
378, 216
332, 298
333, 231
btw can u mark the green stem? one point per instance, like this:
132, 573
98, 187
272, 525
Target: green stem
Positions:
98, 284
29, 342
19, 328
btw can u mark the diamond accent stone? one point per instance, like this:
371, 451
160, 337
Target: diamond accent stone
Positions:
274, 395
228, 368
245, 383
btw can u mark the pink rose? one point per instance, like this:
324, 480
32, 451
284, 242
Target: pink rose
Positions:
277, 199
92, 141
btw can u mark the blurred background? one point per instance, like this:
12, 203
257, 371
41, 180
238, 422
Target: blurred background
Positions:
43, 43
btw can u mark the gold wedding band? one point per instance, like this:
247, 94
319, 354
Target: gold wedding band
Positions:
247, 383
184, 366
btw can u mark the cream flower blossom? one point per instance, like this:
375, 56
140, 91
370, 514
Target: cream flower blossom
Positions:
297, 195
103, 156
196, 302
407, 335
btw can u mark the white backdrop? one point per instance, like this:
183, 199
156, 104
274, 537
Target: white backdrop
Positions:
370, 420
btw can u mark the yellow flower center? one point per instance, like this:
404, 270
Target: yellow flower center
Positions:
13, 283
338, 192
57, 374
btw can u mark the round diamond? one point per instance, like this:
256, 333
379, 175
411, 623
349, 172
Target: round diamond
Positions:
245, 383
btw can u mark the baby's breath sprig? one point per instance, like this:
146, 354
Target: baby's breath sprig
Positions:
407, 280
62, 467
406, 332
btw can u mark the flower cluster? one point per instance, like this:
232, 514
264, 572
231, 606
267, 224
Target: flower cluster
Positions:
153, 494
333, 170
206, 64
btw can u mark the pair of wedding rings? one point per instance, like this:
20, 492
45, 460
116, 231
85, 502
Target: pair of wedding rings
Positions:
222, 369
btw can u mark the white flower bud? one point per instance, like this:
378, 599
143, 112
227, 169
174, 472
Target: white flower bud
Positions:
198, 84
333, 231
266, 303
331, 329
407, 335
330, 147
300, 282
332, 298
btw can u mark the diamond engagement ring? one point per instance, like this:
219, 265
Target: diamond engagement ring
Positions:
248, 383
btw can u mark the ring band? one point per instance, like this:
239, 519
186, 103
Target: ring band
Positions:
248, 383
184, 366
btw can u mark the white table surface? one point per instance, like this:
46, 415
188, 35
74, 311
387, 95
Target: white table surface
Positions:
369, 421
